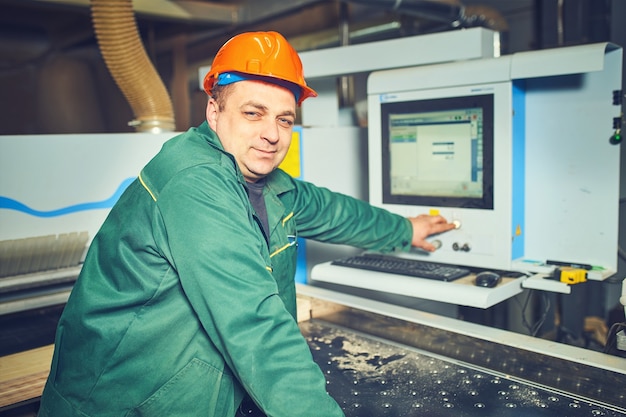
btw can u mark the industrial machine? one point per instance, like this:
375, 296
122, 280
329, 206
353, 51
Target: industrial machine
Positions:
516, 151
55, 192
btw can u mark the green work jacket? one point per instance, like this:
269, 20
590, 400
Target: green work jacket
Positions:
183, 304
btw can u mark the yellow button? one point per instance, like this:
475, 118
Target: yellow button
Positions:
434, 212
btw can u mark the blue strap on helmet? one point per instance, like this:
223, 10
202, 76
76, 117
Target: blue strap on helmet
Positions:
226, 78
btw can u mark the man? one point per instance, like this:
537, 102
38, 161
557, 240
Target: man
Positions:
186, 301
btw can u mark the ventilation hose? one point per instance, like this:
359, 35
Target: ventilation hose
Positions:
125, 57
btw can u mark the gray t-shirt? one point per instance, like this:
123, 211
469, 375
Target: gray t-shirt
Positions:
255, 194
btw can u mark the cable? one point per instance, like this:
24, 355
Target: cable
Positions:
611, 339
621, 253
533, 329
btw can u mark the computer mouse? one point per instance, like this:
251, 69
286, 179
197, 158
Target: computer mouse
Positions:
487, 279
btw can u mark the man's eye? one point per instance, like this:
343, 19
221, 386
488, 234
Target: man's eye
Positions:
285, 122
251, 114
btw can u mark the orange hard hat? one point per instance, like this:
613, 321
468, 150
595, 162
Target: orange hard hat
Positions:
264, 54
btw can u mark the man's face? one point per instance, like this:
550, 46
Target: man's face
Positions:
254, 125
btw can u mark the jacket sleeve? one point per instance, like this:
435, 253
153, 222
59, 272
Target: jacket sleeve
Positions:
337, 218
225, 273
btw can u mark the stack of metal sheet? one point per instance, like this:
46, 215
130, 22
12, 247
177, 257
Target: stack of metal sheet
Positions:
41, 253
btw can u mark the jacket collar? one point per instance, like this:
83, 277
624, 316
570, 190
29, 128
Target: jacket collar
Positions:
278, 181
210, 135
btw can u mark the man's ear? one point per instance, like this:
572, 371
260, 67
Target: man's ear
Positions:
212, 110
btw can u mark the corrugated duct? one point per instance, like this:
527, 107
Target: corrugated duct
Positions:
125, 56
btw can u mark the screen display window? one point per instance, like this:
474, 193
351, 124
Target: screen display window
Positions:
439, 152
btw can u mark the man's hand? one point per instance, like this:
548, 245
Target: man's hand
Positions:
424, 226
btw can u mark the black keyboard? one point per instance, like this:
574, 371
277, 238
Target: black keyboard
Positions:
403, 266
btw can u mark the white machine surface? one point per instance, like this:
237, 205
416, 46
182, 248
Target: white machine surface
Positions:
54, 184
462, 292
523, 165
55, 192
323, 66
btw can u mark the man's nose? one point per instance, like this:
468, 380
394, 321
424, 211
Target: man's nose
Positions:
270, 131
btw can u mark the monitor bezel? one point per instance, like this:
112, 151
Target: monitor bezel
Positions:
484, 101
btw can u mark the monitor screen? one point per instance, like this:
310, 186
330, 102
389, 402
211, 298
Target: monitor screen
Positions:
438, 152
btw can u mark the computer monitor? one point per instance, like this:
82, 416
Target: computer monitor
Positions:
438, 152
449, 151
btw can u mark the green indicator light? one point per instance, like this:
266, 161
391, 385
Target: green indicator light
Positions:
616, 139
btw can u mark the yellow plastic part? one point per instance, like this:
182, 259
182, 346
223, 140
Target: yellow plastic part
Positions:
572, 275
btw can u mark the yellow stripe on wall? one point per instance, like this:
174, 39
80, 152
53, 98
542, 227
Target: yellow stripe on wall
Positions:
291, 163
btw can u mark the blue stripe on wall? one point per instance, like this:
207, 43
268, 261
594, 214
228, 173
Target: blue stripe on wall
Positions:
519, 168
11, 204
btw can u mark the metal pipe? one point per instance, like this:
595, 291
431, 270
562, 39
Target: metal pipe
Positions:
439, 10
345, 98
